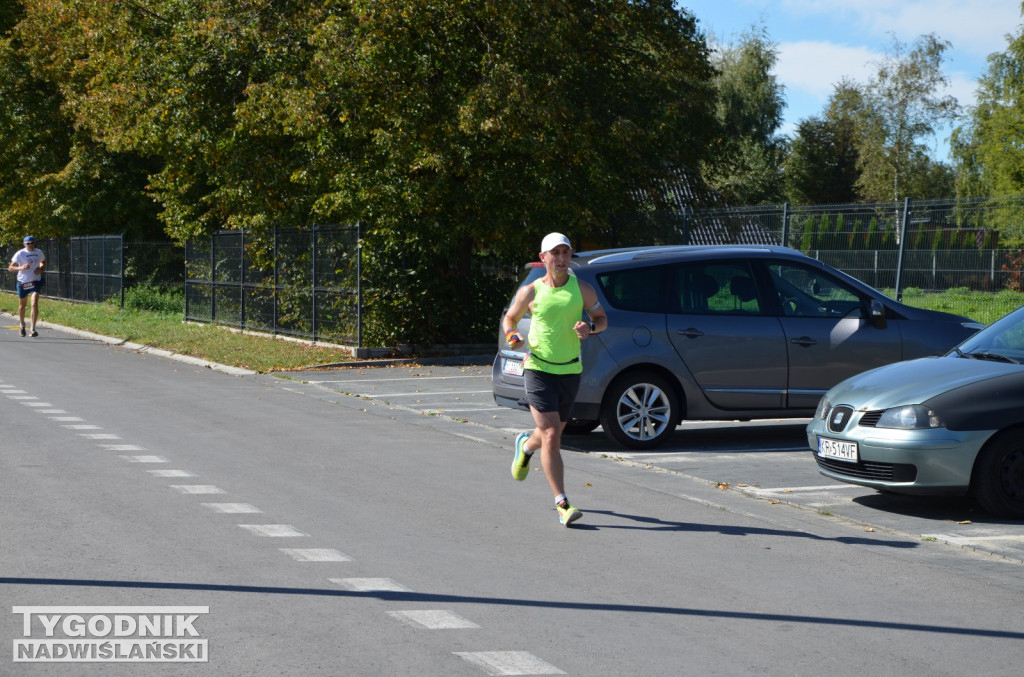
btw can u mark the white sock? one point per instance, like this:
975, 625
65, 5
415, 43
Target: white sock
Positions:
560, 498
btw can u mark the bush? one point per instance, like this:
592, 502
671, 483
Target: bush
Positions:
147, 296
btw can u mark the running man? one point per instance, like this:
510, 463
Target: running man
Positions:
28, 263
551, 371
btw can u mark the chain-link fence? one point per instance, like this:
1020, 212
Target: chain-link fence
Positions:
963, 250
99, 268
962, 256
303, 283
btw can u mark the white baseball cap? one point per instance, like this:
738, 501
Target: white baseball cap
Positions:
552, 240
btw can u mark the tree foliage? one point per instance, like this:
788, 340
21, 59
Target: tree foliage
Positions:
902, 106
454, 118
822, 163
447, 127
989, 146
745, 161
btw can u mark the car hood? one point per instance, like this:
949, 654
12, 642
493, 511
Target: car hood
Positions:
915, 381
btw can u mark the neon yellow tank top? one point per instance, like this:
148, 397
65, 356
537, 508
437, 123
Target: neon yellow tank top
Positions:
554, 346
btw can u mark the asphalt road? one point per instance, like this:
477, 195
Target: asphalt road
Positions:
767, 460
345, 528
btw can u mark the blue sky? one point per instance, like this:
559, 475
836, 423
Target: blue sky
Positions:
821, 41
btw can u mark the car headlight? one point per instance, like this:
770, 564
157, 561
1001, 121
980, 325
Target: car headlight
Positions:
822, 411
910, 417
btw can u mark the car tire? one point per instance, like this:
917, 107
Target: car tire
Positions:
640, 410
580, 426
999, 476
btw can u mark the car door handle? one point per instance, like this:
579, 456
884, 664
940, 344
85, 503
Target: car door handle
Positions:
690, 333
804, 341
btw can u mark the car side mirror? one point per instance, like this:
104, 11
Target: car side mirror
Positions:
877, 312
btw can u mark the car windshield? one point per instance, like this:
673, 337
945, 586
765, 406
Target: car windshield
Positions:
1002, 341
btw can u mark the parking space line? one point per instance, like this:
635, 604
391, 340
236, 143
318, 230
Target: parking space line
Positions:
429, 392
402, 378
761, 491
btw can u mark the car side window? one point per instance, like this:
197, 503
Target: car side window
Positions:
806, 292
715, 288
636, 289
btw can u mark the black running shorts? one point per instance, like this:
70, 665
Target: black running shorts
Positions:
551, 392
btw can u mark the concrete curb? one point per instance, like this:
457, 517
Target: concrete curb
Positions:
237, 371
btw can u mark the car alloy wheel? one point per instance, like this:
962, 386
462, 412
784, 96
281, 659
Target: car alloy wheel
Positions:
640, 410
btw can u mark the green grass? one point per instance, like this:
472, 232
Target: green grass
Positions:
985, 307
167, 331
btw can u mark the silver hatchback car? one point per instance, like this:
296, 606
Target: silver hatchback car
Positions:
726, 332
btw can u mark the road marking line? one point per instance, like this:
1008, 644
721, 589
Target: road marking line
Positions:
123, 447
80, 426
66, 418
461, 411
498, 663
967, 540
21, 397
274, 530
370, 584
761, 491
37, 404
403, 378
51, 411
232, 508
170, 473
197, 489
316, 555
421, 394
100, 436
146, 459
434, 619
725, 455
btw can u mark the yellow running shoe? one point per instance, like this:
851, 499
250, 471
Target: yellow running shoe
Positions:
521, 461
566, 513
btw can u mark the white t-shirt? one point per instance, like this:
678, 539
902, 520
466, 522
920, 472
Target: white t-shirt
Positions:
23, 256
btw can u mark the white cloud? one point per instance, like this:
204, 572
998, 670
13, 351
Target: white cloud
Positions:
816, 67
978, 27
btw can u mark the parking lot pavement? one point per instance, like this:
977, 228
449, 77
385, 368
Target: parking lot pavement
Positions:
765, 460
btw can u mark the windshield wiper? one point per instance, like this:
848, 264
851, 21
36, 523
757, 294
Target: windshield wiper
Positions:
995, 357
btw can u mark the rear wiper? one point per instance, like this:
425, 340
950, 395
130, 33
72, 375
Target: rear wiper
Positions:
995, 357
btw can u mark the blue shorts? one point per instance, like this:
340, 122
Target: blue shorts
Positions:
26, 288
551, 392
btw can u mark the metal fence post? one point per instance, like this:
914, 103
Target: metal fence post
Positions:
276, 280
213, 277
241, 277
313, 261
124, 251
785, 224
188, 247
359, 284
901, 248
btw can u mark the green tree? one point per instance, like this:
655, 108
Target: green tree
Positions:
989, 146
901, 108
821, 166
448, 128
745, 162
55, 179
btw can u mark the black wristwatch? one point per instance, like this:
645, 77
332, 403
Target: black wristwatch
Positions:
593, 328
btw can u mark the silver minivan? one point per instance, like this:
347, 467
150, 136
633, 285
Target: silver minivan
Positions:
724, 332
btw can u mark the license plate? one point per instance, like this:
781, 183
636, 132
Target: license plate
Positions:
512, 367
843, 451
